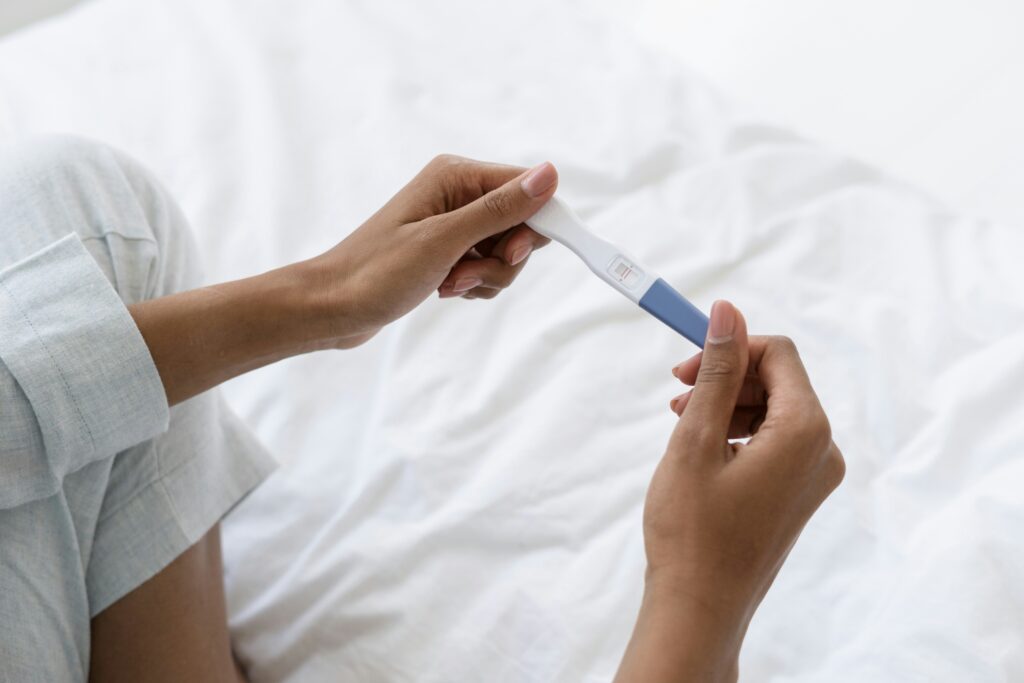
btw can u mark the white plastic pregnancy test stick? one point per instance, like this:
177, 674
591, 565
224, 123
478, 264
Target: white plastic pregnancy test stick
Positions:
637, 283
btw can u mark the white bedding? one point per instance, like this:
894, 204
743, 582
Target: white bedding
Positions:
460, 498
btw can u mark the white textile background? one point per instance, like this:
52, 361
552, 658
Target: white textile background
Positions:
460, 498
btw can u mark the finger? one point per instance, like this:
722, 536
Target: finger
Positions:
719, 380
776, 363
510, 243
464, 180
486, 246
744, 423
752, 393
834, 469
481, 293
794, 417
447, 183
518, 243
678, 404
776, 378
499, 209
489, 272
686, 372
447, 286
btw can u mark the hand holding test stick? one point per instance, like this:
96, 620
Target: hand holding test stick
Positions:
720, 517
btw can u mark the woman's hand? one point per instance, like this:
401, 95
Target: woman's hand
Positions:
456, 228
721, 517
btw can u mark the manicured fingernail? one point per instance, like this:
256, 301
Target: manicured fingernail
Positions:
723, 322
539, 180
520, 254
467, 283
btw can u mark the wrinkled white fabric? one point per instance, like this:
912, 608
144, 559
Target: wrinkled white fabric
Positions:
461, 497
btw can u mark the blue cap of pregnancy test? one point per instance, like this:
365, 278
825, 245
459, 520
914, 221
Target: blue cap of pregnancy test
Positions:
673, 309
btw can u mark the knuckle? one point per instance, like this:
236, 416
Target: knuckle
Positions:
783, 344
692, 435
822, 427
499, 204
835, 468
504, 277
444, 170
443, 161
813, 430
714, 369
432, 238
428, 231
707, 436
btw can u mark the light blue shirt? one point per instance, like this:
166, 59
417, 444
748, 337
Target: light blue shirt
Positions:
77, 382
101, 485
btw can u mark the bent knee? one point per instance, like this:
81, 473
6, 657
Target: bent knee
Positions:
56, 185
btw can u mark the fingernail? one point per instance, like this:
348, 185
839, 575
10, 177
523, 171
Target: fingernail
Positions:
672, 404
539, 180
723, 322
467, 283
675, 371
520, 254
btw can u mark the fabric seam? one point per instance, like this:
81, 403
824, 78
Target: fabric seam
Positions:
53, 361
161, 475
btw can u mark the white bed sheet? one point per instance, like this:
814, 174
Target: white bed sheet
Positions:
460, 498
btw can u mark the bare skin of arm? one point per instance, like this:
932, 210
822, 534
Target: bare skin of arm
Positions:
455, 229
721, 517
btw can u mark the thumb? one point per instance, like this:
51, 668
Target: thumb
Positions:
506, 206
723, 367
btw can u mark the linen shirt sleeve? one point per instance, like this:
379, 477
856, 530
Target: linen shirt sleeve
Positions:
77, 382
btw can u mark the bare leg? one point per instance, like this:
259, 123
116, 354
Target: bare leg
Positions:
171, 628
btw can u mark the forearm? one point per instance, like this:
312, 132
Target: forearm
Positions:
679, 638
206, 336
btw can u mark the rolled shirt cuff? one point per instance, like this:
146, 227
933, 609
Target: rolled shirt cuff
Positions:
70, 343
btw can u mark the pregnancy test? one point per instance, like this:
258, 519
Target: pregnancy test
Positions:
624, 273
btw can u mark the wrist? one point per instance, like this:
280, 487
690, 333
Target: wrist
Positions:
685, 631
323, 306
710, 599
297, 310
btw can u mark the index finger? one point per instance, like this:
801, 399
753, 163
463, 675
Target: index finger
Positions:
772, 358
776, 362
516, 244
462, 181
793, 414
